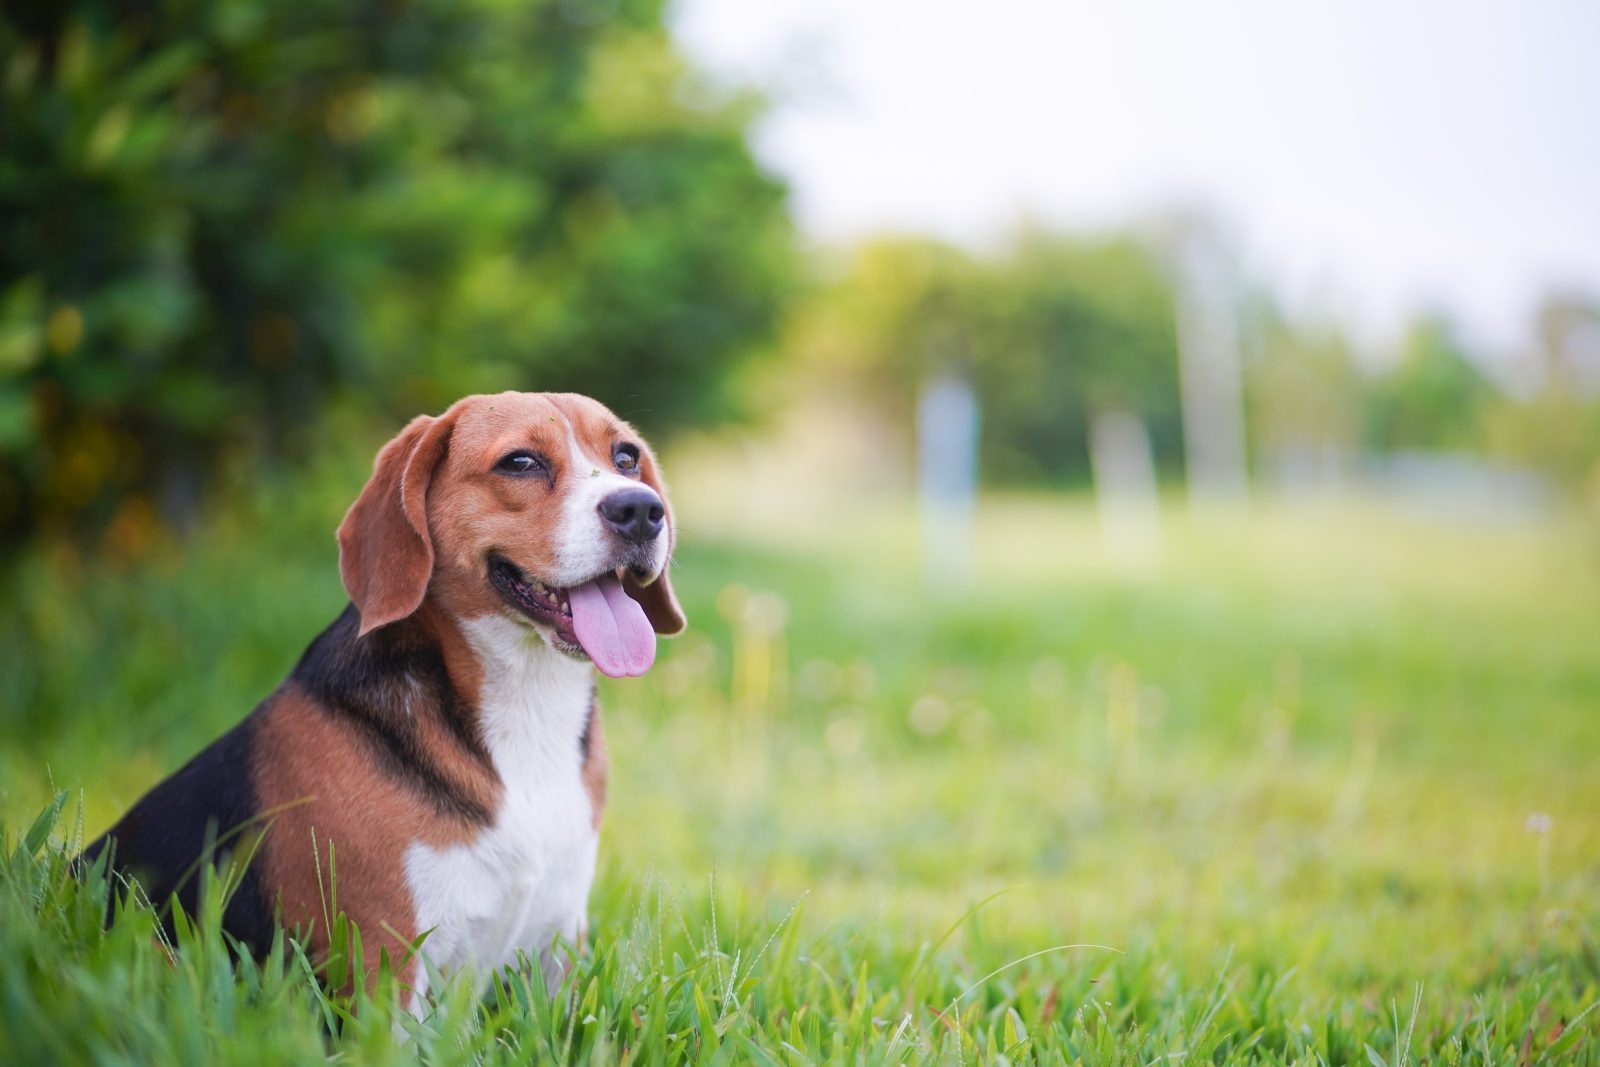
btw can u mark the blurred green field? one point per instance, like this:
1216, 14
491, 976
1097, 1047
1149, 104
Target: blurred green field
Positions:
1323, 757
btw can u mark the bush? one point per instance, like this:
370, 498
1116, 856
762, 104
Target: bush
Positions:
217, 217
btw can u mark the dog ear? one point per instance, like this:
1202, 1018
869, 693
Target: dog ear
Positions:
659, 602
385, 551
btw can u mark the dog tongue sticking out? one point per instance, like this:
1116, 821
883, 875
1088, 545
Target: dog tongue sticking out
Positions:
612, 628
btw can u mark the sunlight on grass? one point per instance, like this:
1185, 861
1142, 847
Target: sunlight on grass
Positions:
1314, 757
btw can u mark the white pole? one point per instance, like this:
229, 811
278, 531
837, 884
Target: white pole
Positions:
1125, 490
1211, 378
947, 462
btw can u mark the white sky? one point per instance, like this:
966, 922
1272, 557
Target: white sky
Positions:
1370, 156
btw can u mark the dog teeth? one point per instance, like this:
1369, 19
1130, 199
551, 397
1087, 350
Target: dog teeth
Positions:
552, 599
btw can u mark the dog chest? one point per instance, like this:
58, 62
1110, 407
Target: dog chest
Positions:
518, 886
524, 881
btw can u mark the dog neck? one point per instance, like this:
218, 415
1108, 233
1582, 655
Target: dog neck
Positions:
533, 701
490, 687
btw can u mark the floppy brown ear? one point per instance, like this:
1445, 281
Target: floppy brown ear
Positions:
659, 602
385, 551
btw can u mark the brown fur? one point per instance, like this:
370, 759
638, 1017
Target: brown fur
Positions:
596, 764
329, 793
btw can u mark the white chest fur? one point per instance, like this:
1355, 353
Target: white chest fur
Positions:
523, 882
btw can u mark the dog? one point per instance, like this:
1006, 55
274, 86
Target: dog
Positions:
437, 753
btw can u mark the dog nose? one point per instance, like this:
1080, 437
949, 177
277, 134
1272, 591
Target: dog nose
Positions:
636, 514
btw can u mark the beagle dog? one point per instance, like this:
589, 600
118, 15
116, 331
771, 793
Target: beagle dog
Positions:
437, 753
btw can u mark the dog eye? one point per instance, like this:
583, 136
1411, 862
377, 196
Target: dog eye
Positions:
626, 457
519, 463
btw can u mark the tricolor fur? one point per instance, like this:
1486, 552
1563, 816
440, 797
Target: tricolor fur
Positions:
440, 742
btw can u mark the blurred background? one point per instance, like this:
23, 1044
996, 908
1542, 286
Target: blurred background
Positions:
1147, 454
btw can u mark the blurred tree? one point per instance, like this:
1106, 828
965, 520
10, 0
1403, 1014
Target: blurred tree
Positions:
1435, 398
1049, 331
1557, 429
1082, 326
216, 216
1304, 396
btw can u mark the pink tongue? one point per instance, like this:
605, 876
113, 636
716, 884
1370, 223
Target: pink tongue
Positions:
612, 628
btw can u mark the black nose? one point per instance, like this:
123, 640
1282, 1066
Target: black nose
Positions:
636, 514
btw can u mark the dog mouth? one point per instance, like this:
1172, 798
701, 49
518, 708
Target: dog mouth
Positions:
595, 619
533, 598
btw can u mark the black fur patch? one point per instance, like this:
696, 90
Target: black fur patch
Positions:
588, 724
207, 808
380, 683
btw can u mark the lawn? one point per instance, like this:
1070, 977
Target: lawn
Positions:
1321, 785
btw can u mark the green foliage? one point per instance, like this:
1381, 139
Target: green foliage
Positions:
1090, 329
1050, 331
1304, 396
1557, 430
218, 215
1435, 398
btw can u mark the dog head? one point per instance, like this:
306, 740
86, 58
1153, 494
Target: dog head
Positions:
544, 507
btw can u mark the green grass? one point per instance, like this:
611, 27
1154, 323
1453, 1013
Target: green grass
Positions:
1323, 782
